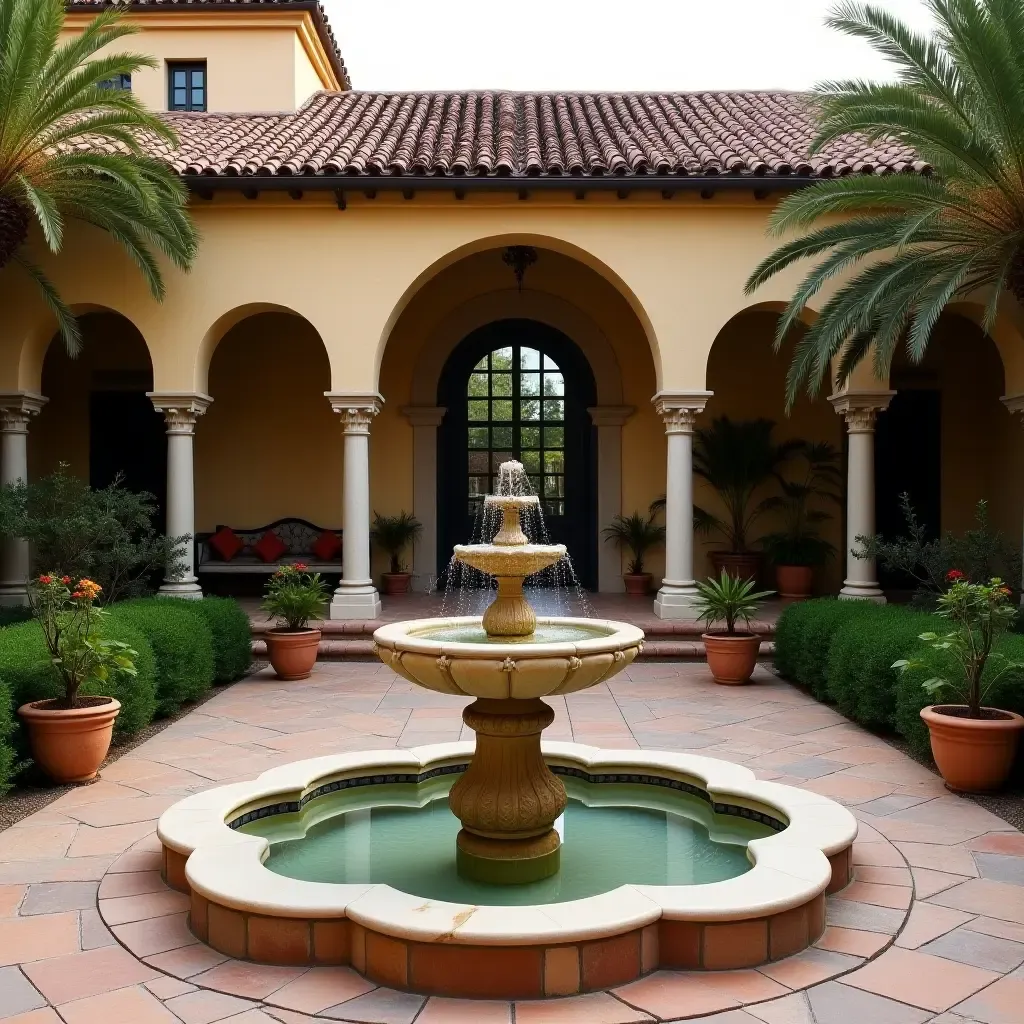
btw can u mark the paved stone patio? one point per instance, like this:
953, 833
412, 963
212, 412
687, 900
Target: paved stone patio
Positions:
932, 930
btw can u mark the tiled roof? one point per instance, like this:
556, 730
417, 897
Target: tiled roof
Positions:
323, 28
530, 135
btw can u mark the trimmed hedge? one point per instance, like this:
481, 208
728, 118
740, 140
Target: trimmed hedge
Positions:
859, 676
26, 669
182, 644
232, 637
8, 756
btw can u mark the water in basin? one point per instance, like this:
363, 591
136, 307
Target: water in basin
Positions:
544, 634
613, 834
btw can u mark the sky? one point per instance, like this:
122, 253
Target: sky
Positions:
601, 44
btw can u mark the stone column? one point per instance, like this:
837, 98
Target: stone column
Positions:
859, 409
679, 410
16, 409
180, 414
425, 420
356, 596
609, 420
1015, 403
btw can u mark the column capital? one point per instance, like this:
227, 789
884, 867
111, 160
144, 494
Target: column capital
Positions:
610, 415
356, 410
424, 415
859, 408
17, 408
181, 409
680, 409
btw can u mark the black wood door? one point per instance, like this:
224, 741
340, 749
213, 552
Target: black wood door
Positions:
518, 390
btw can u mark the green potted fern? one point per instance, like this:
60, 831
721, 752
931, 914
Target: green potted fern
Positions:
731, 655
294, 597
639, 533
393, 534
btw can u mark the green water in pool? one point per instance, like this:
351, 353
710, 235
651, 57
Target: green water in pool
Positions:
404, 835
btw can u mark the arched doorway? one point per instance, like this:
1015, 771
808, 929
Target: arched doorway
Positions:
519, 389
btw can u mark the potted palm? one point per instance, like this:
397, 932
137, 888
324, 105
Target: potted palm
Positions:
973, 745
739, 460
798, 548
731, 655
294, 597
394, 534
639, 533
70, 735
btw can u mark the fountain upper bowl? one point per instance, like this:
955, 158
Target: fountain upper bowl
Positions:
522, 668
503, 560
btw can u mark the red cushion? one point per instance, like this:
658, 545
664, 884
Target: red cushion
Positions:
270, 547
327, 546
226, 543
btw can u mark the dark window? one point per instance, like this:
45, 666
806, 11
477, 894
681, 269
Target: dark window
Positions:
123, 82
186, 86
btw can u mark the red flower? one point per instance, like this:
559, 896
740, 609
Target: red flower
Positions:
45, 580
78, 594
300, 566
65, 579
954, 576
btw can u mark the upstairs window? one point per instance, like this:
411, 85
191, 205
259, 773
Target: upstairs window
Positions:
122, 82
186, 85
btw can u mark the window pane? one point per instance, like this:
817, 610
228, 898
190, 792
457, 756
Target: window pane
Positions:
554, 437
552, 487
179, 79
502, 437
529, 384
549, 363
531, 460
554, 462
478, 385
529, 359
478, 410
554, 385
530, 437
501, 359
478, 485
478, 462
477, 437
554, 410
501, 410
529, 410
197, 98
482, 365
497, 458
535, 484
501, 384
179, 97
198, 78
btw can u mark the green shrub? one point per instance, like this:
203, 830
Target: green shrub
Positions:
8, 756
803, 637
182, 644
29, 675
1007, 694
232, 638
860, 678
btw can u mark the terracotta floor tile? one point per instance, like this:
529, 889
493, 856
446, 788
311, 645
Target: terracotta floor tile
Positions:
125, 1006
811, 967
165, 988
882, 875
43, 1016
878, 854
54, 897
320, 988
982, 896
927, 922
953, 859
10, 899
23, 939
1002, 929
978, 949
17, 993
143, 907
381, 1006
926, 981
836, 1003
187, 961
157, 935
1009, 843
1000, 1003
895, 896
202, 1007
131, 883
464, 1011
928, 883
64, 978
26, 841
794, 1009
1000, 867
251, 981
92, 842
597, 1008
863, 916
663, 993
851, 941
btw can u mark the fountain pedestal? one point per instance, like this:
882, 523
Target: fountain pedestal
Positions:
508, 799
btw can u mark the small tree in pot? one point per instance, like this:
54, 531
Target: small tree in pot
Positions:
294, 596
798, 548
639, 533
973, 745
731, 655
70, 735
394, 534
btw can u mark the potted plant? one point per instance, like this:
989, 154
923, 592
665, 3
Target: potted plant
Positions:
294, 596
973, 745
639, 533
738, 459
394, 534
798, 548
731, 655
70, 735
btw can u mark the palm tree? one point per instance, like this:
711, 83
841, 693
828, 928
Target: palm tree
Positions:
72, 148
926, 238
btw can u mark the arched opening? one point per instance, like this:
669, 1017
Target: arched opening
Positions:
519, 389
99, 420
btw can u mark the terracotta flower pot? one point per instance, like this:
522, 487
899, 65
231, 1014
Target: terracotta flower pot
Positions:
794, 582
743, 565
974, 755
393, 583
731, 658
637, 584
69, 744
293, 652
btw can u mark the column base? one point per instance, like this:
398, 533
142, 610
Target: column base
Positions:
184, 590
13, 595
677, 600
854, 590
355, 601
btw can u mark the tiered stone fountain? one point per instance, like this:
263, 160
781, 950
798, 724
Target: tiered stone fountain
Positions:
508, 800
